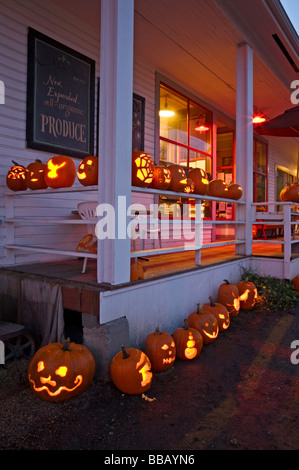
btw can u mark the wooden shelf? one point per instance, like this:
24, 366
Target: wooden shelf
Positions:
39, 249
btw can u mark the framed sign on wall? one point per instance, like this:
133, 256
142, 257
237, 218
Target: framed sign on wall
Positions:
60, 98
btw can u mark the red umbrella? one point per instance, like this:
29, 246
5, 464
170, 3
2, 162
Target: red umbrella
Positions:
284, 125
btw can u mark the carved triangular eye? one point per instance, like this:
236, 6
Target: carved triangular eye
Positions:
40, 366
165, 347
61, 371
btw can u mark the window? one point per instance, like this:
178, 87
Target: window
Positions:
185, 136
259, 171
225, 170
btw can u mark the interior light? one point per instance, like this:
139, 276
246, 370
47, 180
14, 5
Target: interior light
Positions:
165, 111
201, 125
258, 119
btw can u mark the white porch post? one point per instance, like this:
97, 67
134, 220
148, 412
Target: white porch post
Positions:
244, 142
115, 134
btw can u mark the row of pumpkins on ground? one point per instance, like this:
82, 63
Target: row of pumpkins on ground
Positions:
60, 171
58, 372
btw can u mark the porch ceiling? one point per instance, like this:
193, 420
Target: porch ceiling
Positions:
194, 43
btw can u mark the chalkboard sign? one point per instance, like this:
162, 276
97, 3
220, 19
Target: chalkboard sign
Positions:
138, 122
60, 98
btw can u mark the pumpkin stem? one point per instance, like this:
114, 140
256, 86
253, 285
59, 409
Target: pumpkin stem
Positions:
15, 163
158, 332
226, 281
66, 344
125, 354
212, 303
199, 309
186, 326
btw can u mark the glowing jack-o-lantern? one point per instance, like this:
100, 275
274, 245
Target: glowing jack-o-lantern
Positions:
60, 172
142, 169
59, 371
35, 175
16, 177
162, 177
205, 323
247, 294
160, 348
228, 295
87, 173
219, 311
200, 179
130, 371
188, 342
178, 178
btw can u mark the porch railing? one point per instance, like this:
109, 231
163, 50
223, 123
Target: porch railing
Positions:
198, 225
278, 215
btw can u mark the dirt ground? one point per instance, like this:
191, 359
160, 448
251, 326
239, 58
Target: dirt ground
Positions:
241, 393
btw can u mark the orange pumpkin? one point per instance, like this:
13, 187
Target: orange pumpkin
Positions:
142, 169
290, 193
60, 172
188, 342
219, 311
234, 191
206, 323
295, 283
178, 178
160, 349
200, 179
136, 270
59, 371
247, 294
16, 177
35, 175
87, 173
228, 295
130, 371
162, 177
217, 188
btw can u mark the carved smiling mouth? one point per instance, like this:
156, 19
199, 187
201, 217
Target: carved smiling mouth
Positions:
78, 381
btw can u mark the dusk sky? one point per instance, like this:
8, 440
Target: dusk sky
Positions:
292, 9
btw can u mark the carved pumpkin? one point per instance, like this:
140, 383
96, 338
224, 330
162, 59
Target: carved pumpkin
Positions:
35, 175
188, 342
247, 294
136, 270
162, 177
60, 172
160, 349
130, 371
228, 295
188, 185
178, 178
217, 188
234, 191
219, 311
87, 173
59, 371
16, 177
142, 169
200, 179
205, 323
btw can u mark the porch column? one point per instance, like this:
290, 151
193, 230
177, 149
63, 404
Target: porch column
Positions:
244, 143
115, 138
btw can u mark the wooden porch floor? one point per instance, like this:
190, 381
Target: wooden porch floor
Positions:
159, 265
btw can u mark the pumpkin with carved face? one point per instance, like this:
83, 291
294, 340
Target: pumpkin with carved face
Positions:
228, 295
143, 168
179, 178
35, 175
205, 323
130, 371
60, 172
87, 173
16, 177
200, 179
59, 371
162, 177
219, 311
247, 294
188, 342
160, 348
